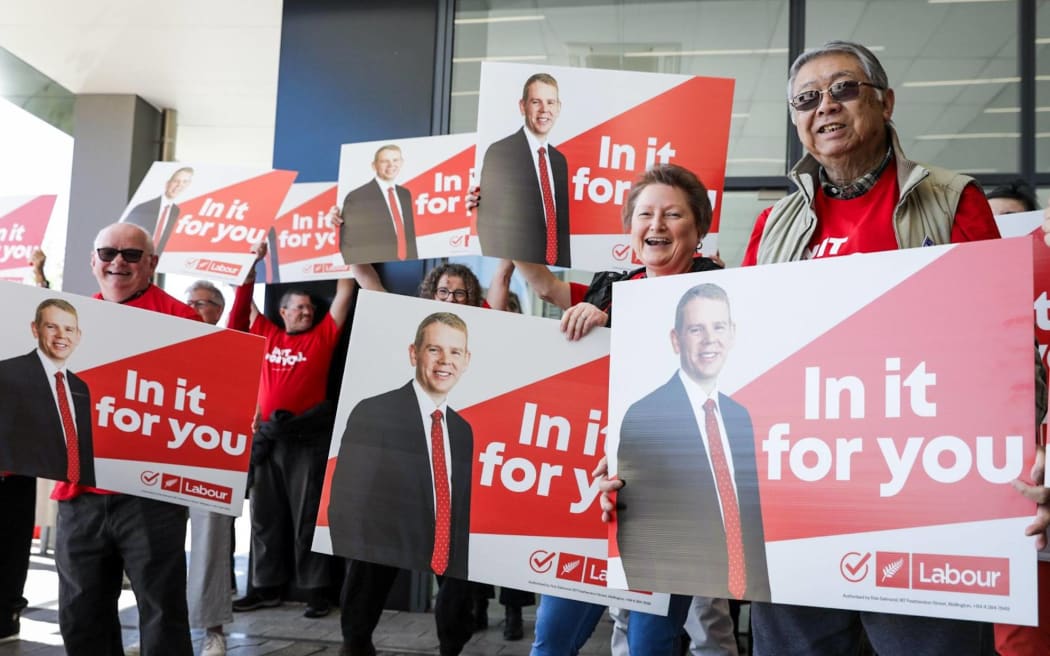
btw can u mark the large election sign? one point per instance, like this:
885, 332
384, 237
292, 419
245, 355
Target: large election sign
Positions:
838, 433
599, 130
204, 218
1029, 225
148, 404
405, 199
521, 430
304, 245
23, 222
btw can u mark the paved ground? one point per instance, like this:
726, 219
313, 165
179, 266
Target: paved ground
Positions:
279, 631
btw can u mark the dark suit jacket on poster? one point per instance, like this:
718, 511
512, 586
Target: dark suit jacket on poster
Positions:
382, 501
511, 220
367, 234
146, 215
31, 439
670, 533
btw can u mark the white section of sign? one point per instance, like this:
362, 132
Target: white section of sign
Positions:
543, 576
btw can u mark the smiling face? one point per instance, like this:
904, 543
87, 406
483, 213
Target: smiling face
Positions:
177, 183
387, 164
297, 313
57, 334
456, 290
836, 133
440, 359
704, 340
663, 230
540, 107
119, 280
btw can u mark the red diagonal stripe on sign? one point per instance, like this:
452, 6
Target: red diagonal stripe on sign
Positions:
22, 230
438, 195
693, 117
302, 233
973, 328
571, 395
198, 224
225, 365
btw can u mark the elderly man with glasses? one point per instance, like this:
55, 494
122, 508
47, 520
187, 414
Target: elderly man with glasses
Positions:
858, 193
102, 534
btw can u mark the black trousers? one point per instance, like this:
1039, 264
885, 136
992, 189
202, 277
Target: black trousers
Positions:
99, 537
284, 498
365, 592
18, 501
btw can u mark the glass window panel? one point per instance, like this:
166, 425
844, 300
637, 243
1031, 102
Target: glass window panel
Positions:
739, 211
742, 39
953, 66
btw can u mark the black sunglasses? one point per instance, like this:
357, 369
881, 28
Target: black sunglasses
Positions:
130, 255
841, 91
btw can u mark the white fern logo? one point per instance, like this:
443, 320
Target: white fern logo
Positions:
889, 570
570, 566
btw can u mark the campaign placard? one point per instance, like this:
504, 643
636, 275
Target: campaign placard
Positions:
1030, 225
838, 433
405, 199
519, 433
600, 130
205, 218
147, 404
23, 221
304, 245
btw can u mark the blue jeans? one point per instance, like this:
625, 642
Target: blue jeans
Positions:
563, 627
784, 630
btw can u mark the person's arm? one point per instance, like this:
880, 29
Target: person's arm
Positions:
344, 294
1040, 494
1046, 226
499, 287
37, 260
579, 320
546, 285
367, 277
244, 311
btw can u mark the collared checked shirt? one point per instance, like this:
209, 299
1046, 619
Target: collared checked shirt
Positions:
858, 187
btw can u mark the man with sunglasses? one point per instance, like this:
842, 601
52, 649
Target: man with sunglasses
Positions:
858, 193
102, 534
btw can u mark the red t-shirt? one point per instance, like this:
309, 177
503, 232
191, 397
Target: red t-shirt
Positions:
295, 367
865, 224
157, 300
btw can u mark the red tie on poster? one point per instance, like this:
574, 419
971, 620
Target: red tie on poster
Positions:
159, 232
443, 516
70, 428
548, 209
399, 225
730, 509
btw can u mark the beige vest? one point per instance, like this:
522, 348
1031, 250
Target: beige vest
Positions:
929, 196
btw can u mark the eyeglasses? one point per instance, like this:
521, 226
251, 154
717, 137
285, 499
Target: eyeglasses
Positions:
198, 304
130, 255
459, 294
842, 91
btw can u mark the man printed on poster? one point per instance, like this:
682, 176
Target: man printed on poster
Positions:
401, 488
687, 444
45, 409
526, 184
377, 216
157, 216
